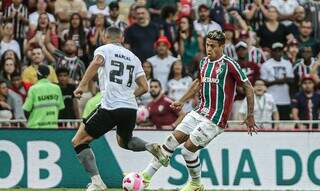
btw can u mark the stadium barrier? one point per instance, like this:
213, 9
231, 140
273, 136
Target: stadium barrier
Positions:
270, 160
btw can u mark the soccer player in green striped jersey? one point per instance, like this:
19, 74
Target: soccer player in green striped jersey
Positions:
218, 77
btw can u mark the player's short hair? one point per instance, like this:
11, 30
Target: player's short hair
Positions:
156, 81
62, 70
114, 32
217, 35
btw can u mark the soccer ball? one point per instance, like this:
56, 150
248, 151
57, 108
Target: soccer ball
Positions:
142, 114
132, 182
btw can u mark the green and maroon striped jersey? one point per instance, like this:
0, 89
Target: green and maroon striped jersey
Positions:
218, 80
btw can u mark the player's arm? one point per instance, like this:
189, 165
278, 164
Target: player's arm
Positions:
188, 95
142, 86
181, 115
97, 62
249, 121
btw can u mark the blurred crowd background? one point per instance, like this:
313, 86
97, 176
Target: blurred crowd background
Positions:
276, 42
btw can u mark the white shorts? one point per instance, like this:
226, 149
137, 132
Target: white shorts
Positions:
200, 129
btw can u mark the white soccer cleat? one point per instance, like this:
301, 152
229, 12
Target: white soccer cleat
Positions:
155, 150
96, 187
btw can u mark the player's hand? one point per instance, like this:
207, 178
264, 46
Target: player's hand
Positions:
251, 124
78, 92
177, 105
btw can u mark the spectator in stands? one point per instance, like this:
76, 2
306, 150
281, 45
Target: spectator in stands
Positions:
155, 6
5, 108
100, 7
114, 17
92, 104
204, 24
71, 110
255, 54
34, 17
38, 36
256, 13
13, 99
313, 13
285, 9
251, 69
160, 113
146, 98
306, 103
179, 83
189, 42
135, 35
18, 86
29, 74
78, 33
169, 26
17, 13
299, 15
272, 30
185, 9
224, 12
278, 75
10, 54
305, 38
303, 65
229, 48
97, 33
7, 41
7, 69
65, 8
292, 51
43, 102
68, 59
265, 108
162, 61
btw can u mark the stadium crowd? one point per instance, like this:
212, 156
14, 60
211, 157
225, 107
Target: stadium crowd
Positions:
276, 42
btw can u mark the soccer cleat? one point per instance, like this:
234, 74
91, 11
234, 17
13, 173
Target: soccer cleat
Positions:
146, 179
191, 186
156, 151
96, 187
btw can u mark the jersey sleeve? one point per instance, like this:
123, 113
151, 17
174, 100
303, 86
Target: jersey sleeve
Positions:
28, 104
100, 51
236, 72
139, 70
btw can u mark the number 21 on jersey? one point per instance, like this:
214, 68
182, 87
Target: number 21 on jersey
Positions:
116, 75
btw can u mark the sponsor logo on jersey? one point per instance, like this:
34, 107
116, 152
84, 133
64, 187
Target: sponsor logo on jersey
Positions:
210, 80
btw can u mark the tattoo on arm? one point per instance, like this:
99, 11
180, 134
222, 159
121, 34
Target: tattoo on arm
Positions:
99, 59
250, 96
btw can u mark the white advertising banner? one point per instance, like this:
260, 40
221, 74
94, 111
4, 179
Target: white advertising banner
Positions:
234, 160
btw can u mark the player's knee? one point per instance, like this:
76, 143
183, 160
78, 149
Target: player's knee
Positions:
77, 141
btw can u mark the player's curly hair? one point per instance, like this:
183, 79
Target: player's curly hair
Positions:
217, 35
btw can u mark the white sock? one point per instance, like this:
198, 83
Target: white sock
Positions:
167, 148
96, 179
152, 167
170, 145
193, 164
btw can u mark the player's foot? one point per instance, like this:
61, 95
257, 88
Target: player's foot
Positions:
155, 150
146, 179
192, 186
96, 187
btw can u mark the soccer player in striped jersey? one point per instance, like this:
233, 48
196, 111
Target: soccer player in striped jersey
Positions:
216, 84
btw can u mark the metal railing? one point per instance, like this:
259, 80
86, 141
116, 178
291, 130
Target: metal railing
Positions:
283, 125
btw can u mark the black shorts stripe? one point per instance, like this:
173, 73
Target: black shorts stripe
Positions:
166, 148
91, 115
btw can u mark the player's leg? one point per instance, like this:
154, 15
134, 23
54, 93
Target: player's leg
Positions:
199, 138
93, 127
126, 122
177, 137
